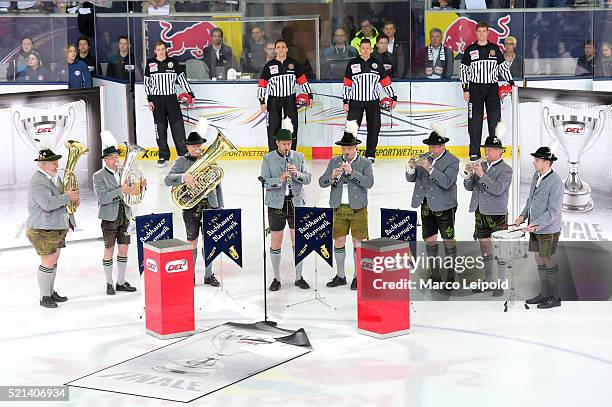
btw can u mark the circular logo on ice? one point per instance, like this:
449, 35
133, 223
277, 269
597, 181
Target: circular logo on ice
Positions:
151, 265
176, 266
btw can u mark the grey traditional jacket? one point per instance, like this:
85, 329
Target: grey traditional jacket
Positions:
439, 187
361, 179
108, 192
490, 192
272, 167
544, 204
47, 205
174, 178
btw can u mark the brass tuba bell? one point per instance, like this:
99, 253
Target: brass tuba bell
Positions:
69, 182
133, 176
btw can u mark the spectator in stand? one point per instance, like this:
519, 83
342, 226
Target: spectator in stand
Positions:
335, 58
383, 56
445, 4
367, 31
218, 56
603, 63
254, 53
349, 26
122, 64
515, 61
158, 7
397, 49
72, 70
435, 61
86, 56
18, 65
585, 64
34, 72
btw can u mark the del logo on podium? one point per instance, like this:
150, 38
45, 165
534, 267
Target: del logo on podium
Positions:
383, 295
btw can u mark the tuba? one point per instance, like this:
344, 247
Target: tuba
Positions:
414, 161
469, 167
69, 182
206, 173
133, 176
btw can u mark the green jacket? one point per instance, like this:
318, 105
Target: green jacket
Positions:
359, 36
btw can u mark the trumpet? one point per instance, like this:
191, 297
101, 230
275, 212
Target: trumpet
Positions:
415, 160
469, 167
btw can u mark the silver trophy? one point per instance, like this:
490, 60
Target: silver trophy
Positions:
51, 128
227, 343
575, 134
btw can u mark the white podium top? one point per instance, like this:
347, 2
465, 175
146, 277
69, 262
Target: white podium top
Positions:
168, 245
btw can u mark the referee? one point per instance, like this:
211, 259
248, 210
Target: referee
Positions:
482, 65
277, 81
361, 93
161, 76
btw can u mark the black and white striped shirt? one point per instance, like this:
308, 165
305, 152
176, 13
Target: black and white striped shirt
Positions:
361, 80
161, 78
484, 64
279, 78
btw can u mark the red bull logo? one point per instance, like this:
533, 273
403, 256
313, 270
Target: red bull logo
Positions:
462, 32
192, 39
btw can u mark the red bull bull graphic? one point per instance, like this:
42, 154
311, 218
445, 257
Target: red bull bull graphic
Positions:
193, 38
462, 32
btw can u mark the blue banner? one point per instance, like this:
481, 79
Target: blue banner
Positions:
151, 228
222, 232
313, 232
399, 225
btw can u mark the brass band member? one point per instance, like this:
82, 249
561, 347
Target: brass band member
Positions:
349, 176
193, 217
543, 214
285, 173
114, 214
490, 185
435, 191
48, 221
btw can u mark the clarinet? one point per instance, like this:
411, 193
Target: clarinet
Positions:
337, 179
287, 162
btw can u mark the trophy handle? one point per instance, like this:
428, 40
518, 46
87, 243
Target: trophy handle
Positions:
546, 120
70, 121
597, 130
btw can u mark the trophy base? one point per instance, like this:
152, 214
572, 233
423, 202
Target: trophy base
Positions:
577, 195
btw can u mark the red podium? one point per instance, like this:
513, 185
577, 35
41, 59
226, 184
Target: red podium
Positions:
168, 268
383, 295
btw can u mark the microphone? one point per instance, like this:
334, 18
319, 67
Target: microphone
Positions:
261, 179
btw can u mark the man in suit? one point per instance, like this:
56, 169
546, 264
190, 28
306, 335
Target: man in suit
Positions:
218, 56
490, 186
48, 221
435, 61
435, 191
349, 176
214, 200
543, 214
114, 214
284, 174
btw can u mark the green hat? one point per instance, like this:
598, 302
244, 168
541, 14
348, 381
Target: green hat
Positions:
286, 131
194, 138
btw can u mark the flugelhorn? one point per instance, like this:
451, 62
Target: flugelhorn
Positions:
415, 160
469, 167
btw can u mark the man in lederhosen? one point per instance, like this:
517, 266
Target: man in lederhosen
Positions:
490, 186
284, 173
277, 82
435, 191
349, 176
193, 217
114, 214
361, 93
48, 221
543, 215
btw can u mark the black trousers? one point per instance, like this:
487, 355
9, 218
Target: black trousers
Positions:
481, 95
278, 109
372, 112
167, 111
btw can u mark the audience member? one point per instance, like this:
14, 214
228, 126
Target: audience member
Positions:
515, 61
122, 64
603, 63
435, 61
254, 53
335, 58
585, 64
367, 31
34, 72
86, 56
397, 49
386, 58
158, 7
72, 70
218, 56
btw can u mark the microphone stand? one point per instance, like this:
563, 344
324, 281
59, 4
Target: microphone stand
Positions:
265, 266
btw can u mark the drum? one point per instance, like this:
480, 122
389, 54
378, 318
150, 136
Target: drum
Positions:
509, 245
